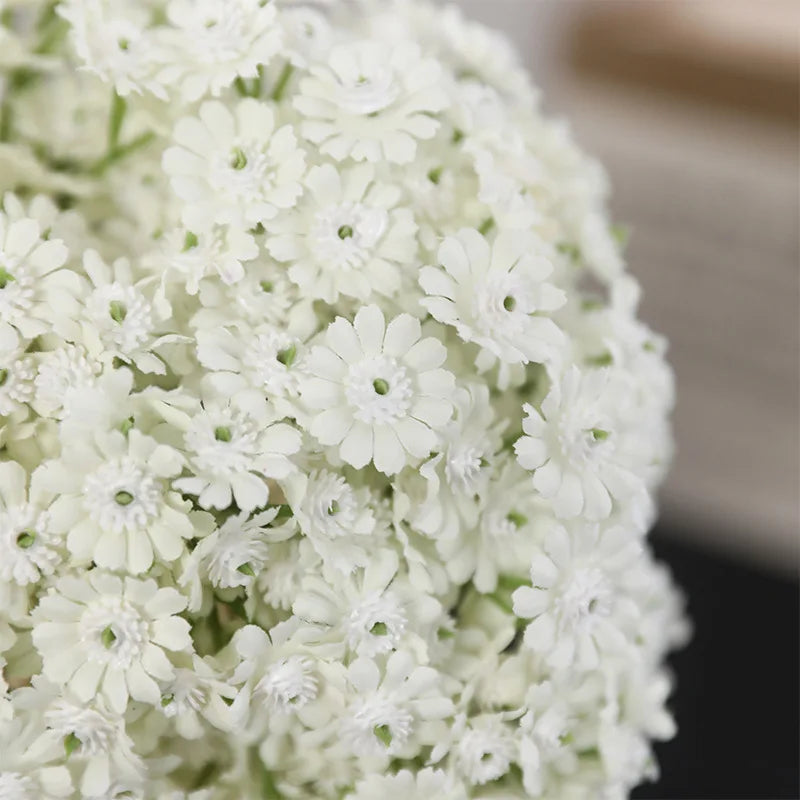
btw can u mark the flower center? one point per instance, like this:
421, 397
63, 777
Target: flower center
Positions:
587, 596
371, 92
113, 632
343, 237
377, 399
288, 684
376, 625
120, 495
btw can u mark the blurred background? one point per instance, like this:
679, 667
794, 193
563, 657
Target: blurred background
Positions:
692, 106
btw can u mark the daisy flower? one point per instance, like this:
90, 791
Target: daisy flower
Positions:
394, 712
232, 447
496, 295
372, 102
114, 502
29, 278
212, 42
30, 548
378, 391
577, 449
575, 598
102, 634
234, 168
347, 236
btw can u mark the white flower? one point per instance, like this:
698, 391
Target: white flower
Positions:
232, 447
577, 447
112, 40
575, 600
115, 504
383, 394
372, 102
234, 167
347, 236
29, 277
496, 295
485, 749
337, 519
60, 376
191, 256
235, 553
102, 635
216, 41
29, 546
458, 476
427, 784
268, 359
27, 768
366, 613
120, 315
17, 372
274, 669
395, 712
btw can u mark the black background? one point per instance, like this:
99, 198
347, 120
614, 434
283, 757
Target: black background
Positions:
737, 698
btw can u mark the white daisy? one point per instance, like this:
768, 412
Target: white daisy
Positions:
347, 236
577, 447
114, 501
575, 601
336, 518
29, 277
216, 41
394, 712
102, 635
378, 390
30, 548
232, 448
496, 295
372, 102
233, 167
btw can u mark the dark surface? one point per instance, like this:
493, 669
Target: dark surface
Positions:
737, 696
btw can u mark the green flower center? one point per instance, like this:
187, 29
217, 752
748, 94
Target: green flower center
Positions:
345, 232
380, 386
123, 498
26, 539
238, 158
222, 434
117, 310
108, 637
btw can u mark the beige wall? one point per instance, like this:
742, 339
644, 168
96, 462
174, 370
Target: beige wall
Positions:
711, 194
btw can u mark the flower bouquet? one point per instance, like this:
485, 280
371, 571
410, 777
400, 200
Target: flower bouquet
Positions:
329, 436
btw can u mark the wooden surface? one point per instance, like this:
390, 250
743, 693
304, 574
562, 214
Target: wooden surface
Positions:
711, 192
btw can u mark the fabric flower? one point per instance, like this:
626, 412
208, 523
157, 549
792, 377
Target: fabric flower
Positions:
371, 102
576, 448
382, 391
348, 236
496, 295
108, 635
234, 167
115, 504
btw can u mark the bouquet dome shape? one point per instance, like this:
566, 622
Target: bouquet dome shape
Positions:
329, 434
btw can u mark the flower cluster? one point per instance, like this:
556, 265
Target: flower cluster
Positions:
329, 436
